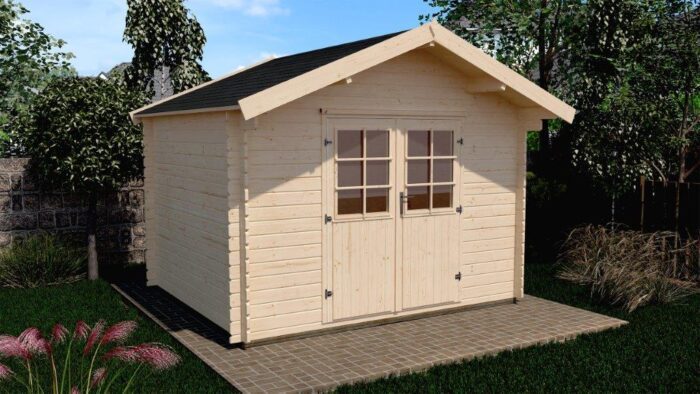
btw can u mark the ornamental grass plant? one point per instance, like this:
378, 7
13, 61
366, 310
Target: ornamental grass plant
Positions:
41, 260
87, 360
630, 268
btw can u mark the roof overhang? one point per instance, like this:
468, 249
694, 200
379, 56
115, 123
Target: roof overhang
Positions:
499, 77
487, 75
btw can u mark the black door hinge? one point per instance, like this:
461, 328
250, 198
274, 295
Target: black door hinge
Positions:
327, 219
460, 141
328, 294
458, 276
327, 142
459, 209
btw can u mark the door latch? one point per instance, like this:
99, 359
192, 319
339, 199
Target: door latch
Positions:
459, 209
327, 142
328, 294
458, 276
403, 199
327, 219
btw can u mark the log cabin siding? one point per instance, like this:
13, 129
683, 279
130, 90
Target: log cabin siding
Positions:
191, 253
285, 216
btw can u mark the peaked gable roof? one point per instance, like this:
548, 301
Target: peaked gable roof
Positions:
274, 83
228, 90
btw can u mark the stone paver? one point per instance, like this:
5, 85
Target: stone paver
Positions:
323, 362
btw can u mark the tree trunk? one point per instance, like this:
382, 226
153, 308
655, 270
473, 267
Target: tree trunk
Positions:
543, 82
91, 230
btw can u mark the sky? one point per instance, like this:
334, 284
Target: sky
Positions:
239, 32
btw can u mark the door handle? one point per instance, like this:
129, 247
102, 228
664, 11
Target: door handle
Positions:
403, 199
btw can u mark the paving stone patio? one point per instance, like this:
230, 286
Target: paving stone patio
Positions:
323, 362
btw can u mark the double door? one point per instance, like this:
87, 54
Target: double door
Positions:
392, 199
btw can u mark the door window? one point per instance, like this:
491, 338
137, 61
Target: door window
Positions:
363, 172
430, 169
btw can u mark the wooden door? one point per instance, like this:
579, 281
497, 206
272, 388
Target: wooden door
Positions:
429, 188
361, 190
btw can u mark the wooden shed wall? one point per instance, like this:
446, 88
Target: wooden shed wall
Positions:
284, 212
192, 218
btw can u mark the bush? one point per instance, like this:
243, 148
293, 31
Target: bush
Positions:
41, 260
624, 267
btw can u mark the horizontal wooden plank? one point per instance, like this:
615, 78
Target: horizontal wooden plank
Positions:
490, 199
287, 226
257, 297
283, 267
287, 320
488, 245
488, 267
259, 186
284, 199
284, 280
477, 223
486, 290
487, 279
283, 213
276, 171
285, 253
486, 188
284, 239
484, 257
488, 233
489, 211
285, 307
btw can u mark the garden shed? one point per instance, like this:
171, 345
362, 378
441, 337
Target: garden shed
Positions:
366, 182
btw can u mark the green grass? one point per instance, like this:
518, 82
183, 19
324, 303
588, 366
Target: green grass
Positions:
659, 351
42, 307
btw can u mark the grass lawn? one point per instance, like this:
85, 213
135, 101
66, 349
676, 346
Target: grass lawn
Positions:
87, 301
658, 351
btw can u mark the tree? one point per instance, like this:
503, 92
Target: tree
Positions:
29, 57
168, 46
634, 76
525, 35
80, 139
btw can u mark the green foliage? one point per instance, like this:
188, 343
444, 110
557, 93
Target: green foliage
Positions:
525, 35
164, 34
29, 58
80, 137
91, 301
41, 260
630, 67
541, 192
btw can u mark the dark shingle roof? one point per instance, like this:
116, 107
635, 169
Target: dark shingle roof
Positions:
228, 91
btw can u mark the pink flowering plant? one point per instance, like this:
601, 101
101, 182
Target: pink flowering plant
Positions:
95, 357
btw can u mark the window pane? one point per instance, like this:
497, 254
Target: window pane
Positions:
442, 170
418, 143
377, 200
377, 143
349, 173
443, 143
418, 171
349, 201
442, 196
349, 144
418, 197
377, 173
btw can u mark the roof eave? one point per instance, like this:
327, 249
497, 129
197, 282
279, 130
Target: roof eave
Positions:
312, 81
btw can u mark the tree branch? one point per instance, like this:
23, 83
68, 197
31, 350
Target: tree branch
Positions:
691, 169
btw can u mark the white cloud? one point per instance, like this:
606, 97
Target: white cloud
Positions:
253, 7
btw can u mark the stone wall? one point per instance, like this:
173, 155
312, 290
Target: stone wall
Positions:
24, 210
